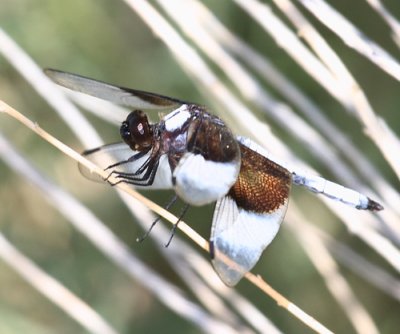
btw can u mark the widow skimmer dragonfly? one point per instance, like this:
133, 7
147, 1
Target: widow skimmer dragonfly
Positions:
194, 153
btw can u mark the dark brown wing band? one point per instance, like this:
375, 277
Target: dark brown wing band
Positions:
262, 186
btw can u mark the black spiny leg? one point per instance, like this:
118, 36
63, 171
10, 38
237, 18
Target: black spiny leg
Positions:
131, 178
175, 226
167, 206
131, 159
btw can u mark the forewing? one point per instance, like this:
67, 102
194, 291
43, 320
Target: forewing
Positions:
249, 217
108, 155
125, 96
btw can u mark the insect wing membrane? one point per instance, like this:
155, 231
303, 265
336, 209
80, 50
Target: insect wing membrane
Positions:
108, 155
125, 96
248, 218
239, 237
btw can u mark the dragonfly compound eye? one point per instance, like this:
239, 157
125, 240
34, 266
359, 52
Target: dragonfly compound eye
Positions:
136, 131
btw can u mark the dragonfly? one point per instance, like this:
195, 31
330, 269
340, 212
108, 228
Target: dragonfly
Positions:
194, 153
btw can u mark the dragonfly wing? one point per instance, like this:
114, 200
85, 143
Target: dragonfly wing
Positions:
125, 96
248, 218
238, 238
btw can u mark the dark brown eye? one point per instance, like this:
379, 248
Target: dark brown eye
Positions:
136, 131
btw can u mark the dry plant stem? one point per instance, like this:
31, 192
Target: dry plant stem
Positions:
345, 78
209, 290
206, 296
352, 37
203, 40
207, 80
361, 227
352, 97
338, 286
186, 17
104, 174
282, 301
53, 290
181, 254
34, 75
106, 242
315, 116
374, 126
45, 88
244, 307
372, 273
172, 12
258, 11
290, 43
392, 22
238, 111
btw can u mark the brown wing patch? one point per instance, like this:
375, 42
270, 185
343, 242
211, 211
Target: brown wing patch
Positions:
262, 185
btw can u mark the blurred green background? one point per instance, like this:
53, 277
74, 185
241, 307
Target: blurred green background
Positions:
106, 40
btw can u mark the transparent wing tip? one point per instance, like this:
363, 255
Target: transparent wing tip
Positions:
229, 271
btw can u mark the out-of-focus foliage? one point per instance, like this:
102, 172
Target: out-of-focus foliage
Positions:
106, 40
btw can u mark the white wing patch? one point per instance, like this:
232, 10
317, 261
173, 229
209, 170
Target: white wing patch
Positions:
108, 155
238, 238
199, 181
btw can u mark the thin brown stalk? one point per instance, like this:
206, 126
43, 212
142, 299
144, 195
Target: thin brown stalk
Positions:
194, 236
